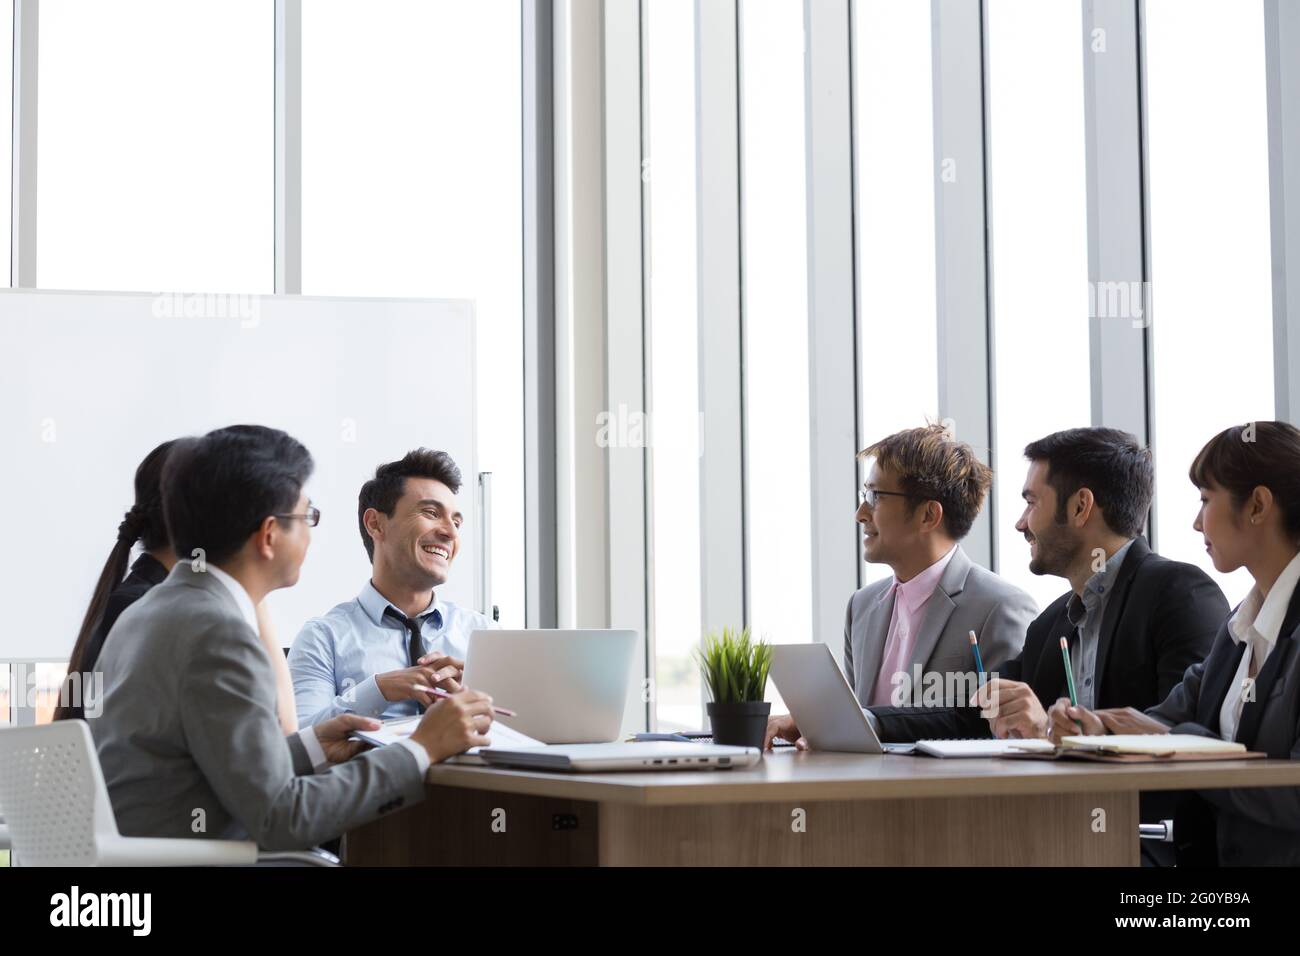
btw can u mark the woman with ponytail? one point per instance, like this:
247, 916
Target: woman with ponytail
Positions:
113, 595
144, 524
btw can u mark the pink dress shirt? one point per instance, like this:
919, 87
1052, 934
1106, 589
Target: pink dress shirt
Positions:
904, 625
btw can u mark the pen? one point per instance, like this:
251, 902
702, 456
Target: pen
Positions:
1069, 677
439, 692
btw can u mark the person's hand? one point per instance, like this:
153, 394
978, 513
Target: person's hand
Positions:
401, 685
334, 736
783, 726
1066, 720
454, 724
1127, 720
1012, 709
444, 663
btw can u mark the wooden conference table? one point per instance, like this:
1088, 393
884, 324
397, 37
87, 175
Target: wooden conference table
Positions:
798, 809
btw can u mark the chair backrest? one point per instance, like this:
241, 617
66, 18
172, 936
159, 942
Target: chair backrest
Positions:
53, 795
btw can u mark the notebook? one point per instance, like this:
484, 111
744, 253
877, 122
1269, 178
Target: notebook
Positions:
1154, 745
981, 747
1142, 748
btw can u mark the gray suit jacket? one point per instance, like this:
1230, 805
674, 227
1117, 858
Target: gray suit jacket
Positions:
967, 598
189, 741
1253, 826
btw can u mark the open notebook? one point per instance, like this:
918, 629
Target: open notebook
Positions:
1154, 745
1142, 748
1122, 747
500, 734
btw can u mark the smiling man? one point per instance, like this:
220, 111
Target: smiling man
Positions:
373, 654
1133, 621
922, 495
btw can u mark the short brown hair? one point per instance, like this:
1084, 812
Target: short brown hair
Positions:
389, 484
1241, 458
933, 466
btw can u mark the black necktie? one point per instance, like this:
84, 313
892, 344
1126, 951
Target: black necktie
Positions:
414, 648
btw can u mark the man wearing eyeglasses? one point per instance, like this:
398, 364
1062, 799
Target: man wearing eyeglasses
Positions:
380, 653
907, 637
189, 739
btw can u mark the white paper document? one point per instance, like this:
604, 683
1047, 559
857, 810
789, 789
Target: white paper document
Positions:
394, 730
981, 748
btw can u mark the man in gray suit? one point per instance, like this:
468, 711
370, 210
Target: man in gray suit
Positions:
188, 738
907, 637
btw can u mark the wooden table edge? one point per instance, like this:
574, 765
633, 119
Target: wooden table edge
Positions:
1100, 778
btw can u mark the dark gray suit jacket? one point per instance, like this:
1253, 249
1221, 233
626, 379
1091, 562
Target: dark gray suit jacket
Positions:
189, 732
967, 598
1255, 825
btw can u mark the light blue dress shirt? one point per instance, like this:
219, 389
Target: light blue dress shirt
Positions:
335, 657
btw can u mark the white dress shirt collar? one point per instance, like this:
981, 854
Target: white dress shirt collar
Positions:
1256, 623
242, 599
1262, 619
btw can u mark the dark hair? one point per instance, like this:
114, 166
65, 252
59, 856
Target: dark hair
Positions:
382, 491
219, 488
1110, 463
1244, 457
143, 523
933, 466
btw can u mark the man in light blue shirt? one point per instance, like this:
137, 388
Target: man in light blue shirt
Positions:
378, 654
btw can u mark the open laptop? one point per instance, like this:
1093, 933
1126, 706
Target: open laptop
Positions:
822, 703
653, 755
566, 686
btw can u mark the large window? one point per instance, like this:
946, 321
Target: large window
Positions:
669, 172
1210, 266
44, 682
5, 705
894, 104
6, 136
1038, 208
411, 186
156, 155
775, 295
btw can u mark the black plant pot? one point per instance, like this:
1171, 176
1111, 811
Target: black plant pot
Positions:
739, 724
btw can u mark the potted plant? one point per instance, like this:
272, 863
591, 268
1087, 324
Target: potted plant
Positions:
735, 671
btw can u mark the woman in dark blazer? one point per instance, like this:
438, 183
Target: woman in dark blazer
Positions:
1248, 688
113, 594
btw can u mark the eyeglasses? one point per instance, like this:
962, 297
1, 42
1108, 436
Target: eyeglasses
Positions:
871, 496
311, 516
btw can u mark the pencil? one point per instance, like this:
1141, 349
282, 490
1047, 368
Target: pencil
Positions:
1069, 677
439, 692
979, 662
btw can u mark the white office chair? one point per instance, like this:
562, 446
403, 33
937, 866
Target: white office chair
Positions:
56, 808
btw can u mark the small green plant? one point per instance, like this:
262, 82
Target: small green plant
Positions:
734, 666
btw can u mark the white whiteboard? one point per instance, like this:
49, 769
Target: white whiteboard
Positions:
92, 381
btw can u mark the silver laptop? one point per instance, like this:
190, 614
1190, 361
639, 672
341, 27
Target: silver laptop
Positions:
822, 703
661, 755
566, 686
